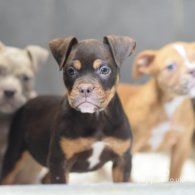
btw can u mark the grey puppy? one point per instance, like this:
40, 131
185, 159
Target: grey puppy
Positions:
17, 75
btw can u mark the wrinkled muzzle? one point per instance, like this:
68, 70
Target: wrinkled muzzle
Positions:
187, 86
89, 96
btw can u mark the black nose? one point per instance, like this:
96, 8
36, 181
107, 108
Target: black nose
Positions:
86, 89
9, 93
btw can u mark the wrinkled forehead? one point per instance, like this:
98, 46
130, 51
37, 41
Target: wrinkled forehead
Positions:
178, 52
184, 50
13, 57
88, 51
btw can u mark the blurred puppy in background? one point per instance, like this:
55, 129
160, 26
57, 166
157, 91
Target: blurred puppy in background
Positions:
160, 111
17, 74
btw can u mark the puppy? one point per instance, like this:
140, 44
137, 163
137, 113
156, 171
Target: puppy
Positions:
85, 129
160, 111
17, 72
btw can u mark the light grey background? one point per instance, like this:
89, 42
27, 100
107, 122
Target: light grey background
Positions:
152, 23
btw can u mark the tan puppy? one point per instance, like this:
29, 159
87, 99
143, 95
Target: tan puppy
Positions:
17, 74
160, 111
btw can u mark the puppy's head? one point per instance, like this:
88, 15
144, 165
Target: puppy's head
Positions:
173, 67
91, 69
17, 69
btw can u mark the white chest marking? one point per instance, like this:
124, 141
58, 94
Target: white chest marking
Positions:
158, 134
182, 52
171, 106
159, 131
97, 148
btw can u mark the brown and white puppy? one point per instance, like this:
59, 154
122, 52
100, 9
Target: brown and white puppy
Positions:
17, 74
160, 111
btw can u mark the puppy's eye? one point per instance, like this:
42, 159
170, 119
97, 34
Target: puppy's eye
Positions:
171, 67
71, 71
105, 70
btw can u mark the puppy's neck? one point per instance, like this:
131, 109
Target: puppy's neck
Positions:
160, 95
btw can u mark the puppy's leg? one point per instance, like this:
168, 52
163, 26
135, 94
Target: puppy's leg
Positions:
58, 172
15, 154
180, 152
58, 165
46, 179
32, 166
14, 161
122, 168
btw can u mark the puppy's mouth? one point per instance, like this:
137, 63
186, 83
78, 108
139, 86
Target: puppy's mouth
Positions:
87, 107
89, 98
191, 91
10, 106
187, 88
12, 102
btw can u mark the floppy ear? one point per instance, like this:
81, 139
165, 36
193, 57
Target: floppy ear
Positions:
37, 55
61, 48
143, 63
2, 46
120, 46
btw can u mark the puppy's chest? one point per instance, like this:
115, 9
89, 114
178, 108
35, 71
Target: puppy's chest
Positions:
164, 133
90, 153
161, 128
